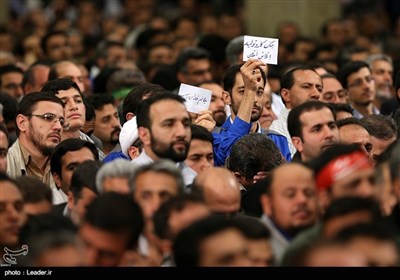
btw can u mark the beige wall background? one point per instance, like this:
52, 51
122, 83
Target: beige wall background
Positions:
264, 16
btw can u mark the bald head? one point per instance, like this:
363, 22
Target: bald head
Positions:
220, 188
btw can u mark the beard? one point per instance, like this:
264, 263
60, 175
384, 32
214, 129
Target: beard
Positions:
219, 117
115, 140
256, 116
38, 142
169, 152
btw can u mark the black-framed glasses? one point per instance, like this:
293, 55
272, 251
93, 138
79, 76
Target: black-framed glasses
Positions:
51, 118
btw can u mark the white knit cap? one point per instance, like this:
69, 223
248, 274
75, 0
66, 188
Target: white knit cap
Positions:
128, 135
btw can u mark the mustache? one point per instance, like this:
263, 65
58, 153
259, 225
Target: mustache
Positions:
116, 130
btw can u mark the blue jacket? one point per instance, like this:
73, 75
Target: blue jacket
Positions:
114, 155
231, 132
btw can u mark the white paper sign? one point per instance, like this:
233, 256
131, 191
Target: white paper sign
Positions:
262, 48
197, 99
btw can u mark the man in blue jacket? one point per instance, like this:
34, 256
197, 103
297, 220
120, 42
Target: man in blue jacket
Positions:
244, 92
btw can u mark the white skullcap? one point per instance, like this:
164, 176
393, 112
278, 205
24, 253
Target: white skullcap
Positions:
128, 135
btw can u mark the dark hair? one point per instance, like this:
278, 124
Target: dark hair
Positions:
348, 69
252, 153
100, 99
252, 227
350, 204
143, 110
5, 178
90, 113
349, 121
48, 35
187, 245
190, 53
68, 145
341, 107
287, 79
9, 68
380, 126
201, 133
177, 204
295, 126
60, 84
84, 176
117, 213
29, 102
229, 78
135, 96
381, 230
45, 223
33, 190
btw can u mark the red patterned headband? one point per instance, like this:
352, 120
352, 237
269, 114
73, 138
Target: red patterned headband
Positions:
341, 167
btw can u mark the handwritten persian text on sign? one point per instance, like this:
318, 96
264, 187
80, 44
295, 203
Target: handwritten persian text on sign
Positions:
197, 99
264, 49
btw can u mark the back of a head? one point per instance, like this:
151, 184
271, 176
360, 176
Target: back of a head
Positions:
252, 153
121, 168
187, 245
380, 126
116, 213
33, 190
234, 49
84, 176
350, 204
43, 223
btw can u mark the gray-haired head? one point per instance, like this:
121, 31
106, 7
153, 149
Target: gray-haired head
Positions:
379, 56
163, 166
117, 168
234, 49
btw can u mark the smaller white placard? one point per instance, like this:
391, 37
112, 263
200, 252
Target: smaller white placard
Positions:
262, 48
197, 99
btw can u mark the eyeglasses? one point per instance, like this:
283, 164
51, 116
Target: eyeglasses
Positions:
49, 117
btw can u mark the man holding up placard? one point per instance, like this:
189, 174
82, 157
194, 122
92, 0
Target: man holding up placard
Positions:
244, 92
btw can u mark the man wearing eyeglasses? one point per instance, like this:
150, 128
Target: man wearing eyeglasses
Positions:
39, 122
356, 77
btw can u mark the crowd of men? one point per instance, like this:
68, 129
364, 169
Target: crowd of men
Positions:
102, 164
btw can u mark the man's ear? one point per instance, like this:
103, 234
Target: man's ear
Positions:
133, 152
57, 180
227, 97
285, 95
22, 122
144, 135
238, 177
297, 143
129, 116
266, 204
